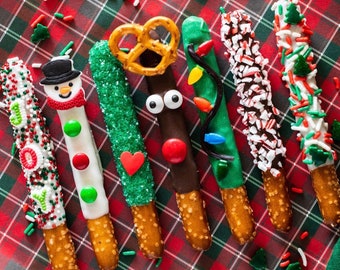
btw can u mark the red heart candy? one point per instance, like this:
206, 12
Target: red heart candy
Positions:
132, 162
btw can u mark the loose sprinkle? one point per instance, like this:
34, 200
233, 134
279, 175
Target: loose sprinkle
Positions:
297, 190
129, 252
58, 15
303, 257
304, 235
38, 20
286, 255
67, 47
36, 65
285, 263
68, 18
29, 228
158, 263
13, 149
336, 83
25, 207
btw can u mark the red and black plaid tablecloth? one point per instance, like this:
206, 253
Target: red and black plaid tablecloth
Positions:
94, 20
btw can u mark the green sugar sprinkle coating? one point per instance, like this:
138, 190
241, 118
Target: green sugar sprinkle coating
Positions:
121, 122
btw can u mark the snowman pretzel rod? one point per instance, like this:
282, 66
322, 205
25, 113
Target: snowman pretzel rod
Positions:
65, 94
257, 111
38, 163
293, 39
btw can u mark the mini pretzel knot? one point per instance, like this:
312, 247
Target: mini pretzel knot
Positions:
168, 52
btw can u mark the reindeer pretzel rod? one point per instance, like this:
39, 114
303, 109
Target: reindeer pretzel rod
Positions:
216, 128
293, 38
258, 112
65, 94
166, 102
127, 146
37, 160
145, 42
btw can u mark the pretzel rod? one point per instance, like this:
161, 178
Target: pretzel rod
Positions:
38, 163
293, 38
127, 146
165, 102
223, 154
63, 87
258, 112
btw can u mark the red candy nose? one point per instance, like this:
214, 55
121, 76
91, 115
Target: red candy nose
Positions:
174, 150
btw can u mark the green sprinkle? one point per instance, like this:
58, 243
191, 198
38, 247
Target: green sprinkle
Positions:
280, 9
292, 101
310, 99
222, 10
126, 50
30, 213
28, 228
301, 67
306, 54
296, 51
129, 252
304, 108
317, 92
13, 149
302, 143
59, 15
298, 122
67, 47
30, 232
317, 114
283, 56
259, 260
336, 129
40, 33
158, 263
310, 135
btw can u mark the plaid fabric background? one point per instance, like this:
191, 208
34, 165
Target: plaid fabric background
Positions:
94, 20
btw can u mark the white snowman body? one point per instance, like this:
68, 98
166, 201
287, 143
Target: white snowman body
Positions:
83, 153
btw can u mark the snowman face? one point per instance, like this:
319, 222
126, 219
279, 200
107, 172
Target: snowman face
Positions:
64, 91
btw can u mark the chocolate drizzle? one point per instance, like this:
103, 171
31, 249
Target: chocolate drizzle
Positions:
212, 113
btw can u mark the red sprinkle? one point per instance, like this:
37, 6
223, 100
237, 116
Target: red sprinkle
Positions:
297, 190
304, 235
68, 18
285, 263
336, 83
285, 256
25, 207
38, 20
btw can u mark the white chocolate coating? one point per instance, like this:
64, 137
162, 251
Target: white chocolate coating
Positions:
80, 142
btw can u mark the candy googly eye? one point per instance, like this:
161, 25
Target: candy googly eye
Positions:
173, 99
154, 104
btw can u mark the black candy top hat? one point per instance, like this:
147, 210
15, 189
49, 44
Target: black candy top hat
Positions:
58, 71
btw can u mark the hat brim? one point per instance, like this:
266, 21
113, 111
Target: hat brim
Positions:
60, 79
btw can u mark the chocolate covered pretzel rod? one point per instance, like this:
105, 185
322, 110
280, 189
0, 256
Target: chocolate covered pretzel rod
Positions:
38, 163
165, 102
63, 86
217, 137
127, 146
258, 112
293, 39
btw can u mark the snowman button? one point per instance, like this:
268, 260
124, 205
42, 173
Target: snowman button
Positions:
80, 161
72, 128
88, 194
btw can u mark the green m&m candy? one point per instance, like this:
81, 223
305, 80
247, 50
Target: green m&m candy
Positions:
88, 194
72, 128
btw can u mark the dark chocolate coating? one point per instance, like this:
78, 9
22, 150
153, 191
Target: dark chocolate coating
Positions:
172, 125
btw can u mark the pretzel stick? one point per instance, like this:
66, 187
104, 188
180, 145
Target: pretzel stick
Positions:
63, 87
177, 151
223, 154
127, 146
293, 38
38, 163
258, 112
